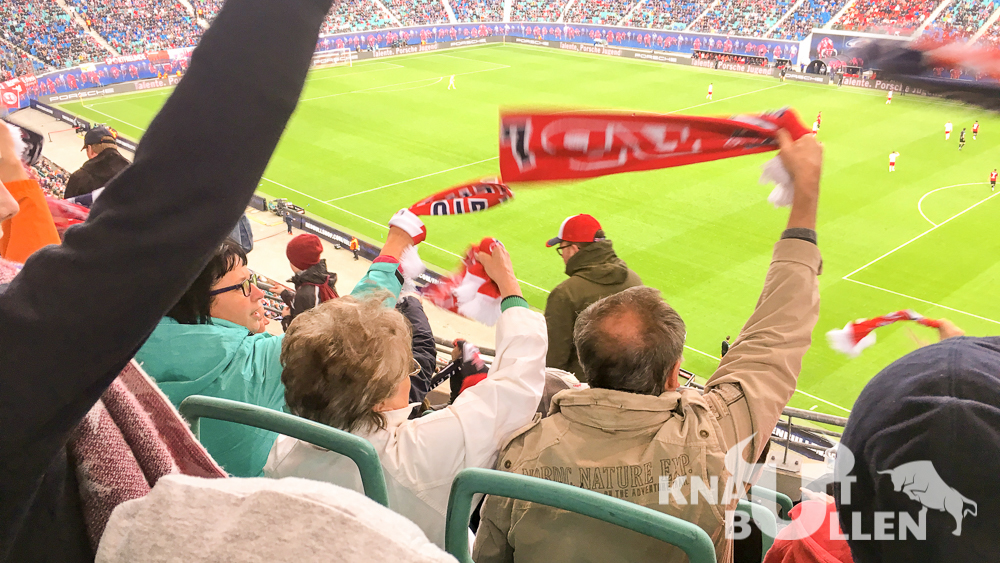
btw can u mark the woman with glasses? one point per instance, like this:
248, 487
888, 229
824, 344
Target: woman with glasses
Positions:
208, 344
348, 364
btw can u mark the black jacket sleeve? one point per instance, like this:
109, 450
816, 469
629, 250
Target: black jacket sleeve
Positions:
424, 350
75, 185
147, 238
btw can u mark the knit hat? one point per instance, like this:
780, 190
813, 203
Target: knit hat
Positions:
304, 251
925, 436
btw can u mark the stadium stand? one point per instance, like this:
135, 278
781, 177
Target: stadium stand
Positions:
742, 17
45, 30
992, 35
51, 177
667, 14
355, 16
537, 10
599, 11
478, 10
418, 12
15, 62
886, 16
809, 15
141, 25
207, 9
962, 19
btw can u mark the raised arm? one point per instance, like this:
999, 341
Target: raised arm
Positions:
470, 432
148, 236
757, 376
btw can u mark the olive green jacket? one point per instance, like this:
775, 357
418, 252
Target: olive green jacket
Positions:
595, 272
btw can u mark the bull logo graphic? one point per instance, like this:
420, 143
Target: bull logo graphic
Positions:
921, 482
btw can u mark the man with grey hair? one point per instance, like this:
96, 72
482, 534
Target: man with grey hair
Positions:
637, 435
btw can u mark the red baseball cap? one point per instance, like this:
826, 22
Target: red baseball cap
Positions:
578, 228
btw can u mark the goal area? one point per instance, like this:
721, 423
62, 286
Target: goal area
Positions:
333, 57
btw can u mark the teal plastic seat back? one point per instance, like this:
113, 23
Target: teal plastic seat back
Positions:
783, 501
685, 535
358, 449
765, 521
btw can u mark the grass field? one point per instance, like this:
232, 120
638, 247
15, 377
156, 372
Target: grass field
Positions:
370, 139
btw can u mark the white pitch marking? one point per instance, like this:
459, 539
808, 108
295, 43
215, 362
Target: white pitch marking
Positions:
921, 202
128, 98
115, 118
730, 97
438, 81
412, 179
363, 90
797, 390
922, 300
350, 74
921, 235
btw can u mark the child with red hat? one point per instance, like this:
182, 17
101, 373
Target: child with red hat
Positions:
313, 283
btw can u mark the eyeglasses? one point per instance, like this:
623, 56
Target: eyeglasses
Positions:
244, 286
560, 248
416, 370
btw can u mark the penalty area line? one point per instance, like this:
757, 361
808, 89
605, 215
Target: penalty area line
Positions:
921, 235
811, 396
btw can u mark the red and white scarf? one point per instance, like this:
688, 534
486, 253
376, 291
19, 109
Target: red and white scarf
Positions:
859, 334
467, 198
470, 292
572, 146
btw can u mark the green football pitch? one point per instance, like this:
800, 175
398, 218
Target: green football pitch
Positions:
369, 139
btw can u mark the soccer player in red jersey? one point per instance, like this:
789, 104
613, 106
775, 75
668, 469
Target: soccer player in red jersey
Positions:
975, 129
993, 180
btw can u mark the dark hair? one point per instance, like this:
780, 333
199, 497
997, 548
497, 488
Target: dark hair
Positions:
195, 306
629, 341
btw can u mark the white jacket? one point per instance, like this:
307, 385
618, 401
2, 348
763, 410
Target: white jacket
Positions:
421, 457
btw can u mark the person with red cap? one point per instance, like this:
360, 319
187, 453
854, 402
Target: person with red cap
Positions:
314, 284
594, 271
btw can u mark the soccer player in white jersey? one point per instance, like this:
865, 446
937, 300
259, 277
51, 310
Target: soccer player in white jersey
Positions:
892, 161
888, 99
709, 96
451, 83
947, 131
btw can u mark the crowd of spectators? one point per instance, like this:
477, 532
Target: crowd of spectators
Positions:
15, 62
749, 18
810, 14
418, 12
44, 29
51, 177
961, 19
475, 11
893, 17
360, 15
537, 10
667, 14
207, 9
137, 26
608, 12
992, 35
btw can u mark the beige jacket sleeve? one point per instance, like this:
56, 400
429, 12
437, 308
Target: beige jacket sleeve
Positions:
757, 377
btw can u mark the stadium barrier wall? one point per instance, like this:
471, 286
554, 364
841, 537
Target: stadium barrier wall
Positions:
117, 75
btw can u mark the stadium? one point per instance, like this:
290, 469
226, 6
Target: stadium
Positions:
402, 99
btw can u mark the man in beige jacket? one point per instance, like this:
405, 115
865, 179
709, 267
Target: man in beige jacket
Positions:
636, 435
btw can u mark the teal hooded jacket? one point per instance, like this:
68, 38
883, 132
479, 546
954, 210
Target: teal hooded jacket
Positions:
224, 360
